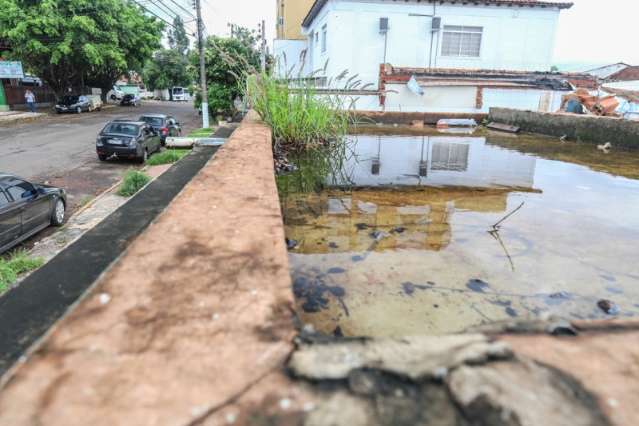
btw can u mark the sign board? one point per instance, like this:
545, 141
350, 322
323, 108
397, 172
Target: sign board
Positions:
11, 69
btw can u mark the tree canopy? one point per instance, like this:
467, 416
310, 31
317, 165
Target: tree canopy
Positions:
71, 43
228, 62
178, 40
168, 68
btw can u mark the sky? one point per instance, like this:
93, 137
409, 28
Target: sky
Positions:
593, 32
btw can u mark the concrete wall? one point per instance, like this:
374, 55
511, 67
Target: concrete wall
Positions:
514, 38
287, 55
619, 132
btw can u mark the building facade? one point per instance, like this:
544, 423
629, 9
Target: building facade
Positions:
290, 14
358, 35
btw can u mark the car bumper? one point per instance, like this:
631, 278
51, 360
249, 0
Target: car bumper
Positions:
120, 152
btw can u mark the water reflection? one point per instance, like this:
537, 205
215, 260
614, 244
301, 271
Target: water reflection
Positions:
408, 250
436, 161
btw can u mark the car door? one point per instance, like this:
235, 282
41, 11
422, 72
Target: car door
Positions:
149, 135
10, 222
34, 206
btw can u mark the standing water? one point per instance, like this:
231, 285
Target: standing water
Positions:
440, 233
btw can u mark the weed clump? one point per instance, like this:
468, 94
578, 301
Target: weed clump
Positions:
19, 262
133, 181
169, 156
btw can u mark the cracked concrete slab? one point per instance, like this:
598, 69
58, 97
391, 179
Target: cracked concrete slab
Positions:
417, 357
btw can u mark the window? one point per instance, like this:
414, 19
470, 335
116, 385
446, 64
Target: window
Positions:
20, 189
324, 34
3, 199
450, 157
316, 38
461, 41
281, 21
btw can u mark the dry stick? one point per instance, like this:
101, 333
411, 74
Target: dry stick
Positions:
495, 234
496, 226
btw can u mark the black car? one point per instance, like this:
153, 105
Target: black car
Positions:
26, 209
130, 100
73, 103
164, 124
127, 139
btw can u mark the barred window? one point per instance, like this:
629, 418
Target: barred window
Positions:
461, 41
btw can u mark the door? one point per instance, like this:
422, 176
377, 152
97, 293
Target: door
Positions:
35, 207
9, 220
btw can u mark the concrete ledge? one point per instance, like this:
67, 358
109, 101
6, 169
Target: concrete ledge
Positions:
19, 117
409, 117
585, 128
194, 316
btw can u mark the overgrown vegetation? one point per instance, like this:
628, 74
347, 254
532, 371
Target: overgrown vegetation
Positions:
309, 127
133, 181
201, 133
169, 156
19, 262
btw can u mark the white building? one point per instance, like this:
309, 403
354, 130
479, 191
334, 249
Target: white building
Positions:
360, 35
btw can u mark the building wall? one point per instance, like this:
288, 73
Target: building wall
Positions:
290, 14
517, 38
287, 54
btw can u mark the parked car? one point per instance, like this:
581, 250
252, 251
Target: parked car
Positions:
73, 103
31, 80
26, 209
127, 139
179, 94
165, 125
95, 103
130, 100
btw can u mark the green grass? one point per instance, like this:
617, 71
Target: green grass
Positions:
133, 181
201, 133
16, 264
169, 156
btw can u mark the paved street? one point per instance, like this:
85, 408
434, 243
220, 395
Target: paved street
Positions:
60, 149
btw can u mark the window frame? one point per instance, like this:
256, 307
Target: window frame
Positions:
16, 183
462, 30
324, 38
4, 197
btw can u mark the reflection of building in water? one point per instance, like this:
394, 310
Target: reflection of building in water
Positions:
437, 161
411, 219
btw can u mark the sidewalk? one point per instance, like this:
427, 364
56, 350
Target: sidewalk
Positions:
14, 117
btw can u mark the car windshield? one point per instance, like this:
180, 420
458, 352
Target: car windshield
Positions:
121, 129
153, 121
178, 90
69, 100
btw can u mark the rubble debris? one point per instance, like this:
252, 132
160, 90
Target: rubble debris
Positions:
610, 308
508, 394
503, 127
581, 101
416, 357
446, 123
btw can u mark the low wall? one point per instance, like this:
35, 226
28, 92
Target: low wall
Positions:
193, 318
585, 128
408, 117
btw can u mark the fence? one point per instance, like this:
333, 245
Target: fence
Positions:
15, 95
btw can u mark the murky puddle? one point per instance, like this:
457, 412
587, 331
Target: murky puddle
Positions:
411, 249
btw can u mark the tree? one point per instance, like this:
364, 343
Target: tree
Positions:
178, 40
72, 43
168, 68
228, 62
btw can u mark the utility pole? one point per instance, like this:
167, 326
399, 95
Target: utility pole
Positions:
205, 92
263, 47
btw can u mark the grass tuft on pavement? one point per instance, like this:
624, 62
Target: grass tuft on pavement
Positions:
201, 133
19, 262
167, 157
132, 183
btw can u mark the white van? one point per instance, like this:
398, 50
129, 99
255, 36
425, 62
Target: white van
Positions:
179, 94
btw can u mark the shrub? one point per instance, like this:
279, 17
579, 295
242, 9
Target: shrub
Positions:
132, 183
167, 157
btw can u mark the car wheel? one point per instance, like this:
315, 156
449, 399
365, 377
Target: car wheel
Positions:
78, 110
102, 157
57, 218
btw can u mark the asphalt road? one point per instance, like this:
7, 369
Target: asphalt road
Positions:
60, 149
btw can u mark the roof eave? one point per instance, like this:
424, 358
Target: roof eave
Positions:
319, 4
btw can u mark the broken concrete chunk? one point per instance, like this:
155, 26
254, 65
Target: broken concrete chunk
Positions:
342, 409
522, 393
415, 357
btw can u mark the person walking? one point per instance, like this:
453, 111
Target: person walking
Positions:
30, 98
